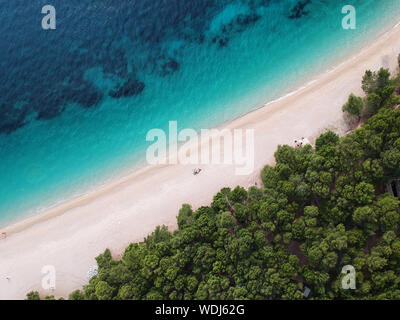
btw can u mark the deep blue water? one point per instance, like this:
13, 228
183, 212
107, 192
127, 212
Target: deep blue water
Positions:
76, 102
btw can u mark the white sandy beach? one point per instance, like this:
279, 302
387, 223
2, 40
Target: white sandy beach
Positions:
70, 236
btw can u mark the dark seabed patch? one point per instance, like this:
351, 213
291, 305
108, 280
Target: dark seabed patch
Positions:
238, 24
130, 88
44, 71
299, 10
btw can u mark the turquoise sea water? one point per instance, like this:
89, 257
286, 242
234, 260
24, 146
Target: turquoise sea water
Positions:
63, 131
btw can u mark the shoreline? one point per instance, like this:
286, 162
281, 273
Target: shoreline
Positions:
25, 221
107, 218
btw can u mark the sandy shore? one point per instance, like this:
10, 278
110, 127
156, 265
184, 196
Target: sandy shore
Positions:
70, 236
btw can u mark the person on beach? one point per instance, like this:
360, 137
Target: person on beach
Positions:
196, 171
301, 143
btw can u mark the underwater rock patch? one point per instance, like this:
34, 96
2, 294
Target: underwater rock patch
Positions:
11, 119
170, 66
299, 10
130, 88
238, 24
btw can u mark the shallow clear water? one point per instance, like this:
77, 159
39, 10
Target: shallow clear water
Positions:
67, 127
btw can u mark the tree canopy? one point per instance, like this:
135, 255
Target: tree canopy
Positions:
319, 210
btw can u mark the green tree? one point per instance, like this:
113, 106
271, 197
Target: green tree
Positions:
354, 105
33, 295
104, 291
317, 211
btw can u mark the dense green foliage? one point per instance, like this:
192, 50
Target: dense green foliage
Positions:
354, 105
33, 295
379, 89
319, 210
